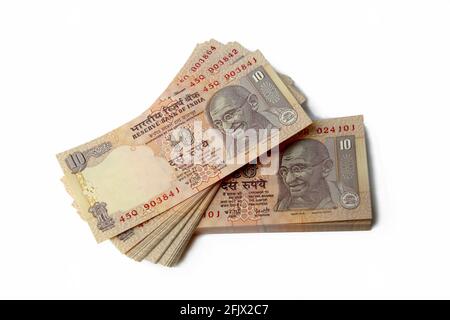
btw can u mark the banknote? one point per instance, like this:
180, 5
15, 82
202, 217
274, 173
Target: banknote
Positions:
322, 184
113, 178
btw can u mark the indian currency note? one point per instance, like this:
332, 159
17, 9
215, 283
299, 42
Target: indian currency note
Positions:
108, 190
322, 181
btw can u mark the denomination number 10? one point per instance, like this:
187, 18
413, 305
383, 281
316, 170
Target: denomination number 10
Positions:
257, 76
345, 144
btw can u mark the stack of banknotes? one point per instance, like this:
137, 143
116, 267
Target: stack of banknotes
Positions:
227, 147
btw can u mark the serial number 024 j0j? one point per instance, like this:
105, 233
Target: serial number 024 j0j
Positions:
128, 176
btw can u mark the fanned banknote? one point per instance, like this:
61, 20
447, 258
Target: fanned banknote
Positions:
112, 178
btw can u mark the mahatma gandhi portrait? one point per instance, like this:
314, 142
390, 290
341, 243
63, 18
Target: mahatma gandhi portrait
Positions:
234, 109
304, 168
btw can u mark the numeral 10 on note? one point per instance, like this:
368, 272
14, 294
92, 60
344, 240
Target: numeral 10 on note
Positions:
345, 144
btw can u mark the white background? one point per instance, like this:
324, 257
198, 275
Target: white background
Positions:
73, 70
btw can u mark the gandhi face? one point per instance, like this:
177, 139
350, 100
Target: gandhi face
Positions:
304, 166
230, 110
229, 117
